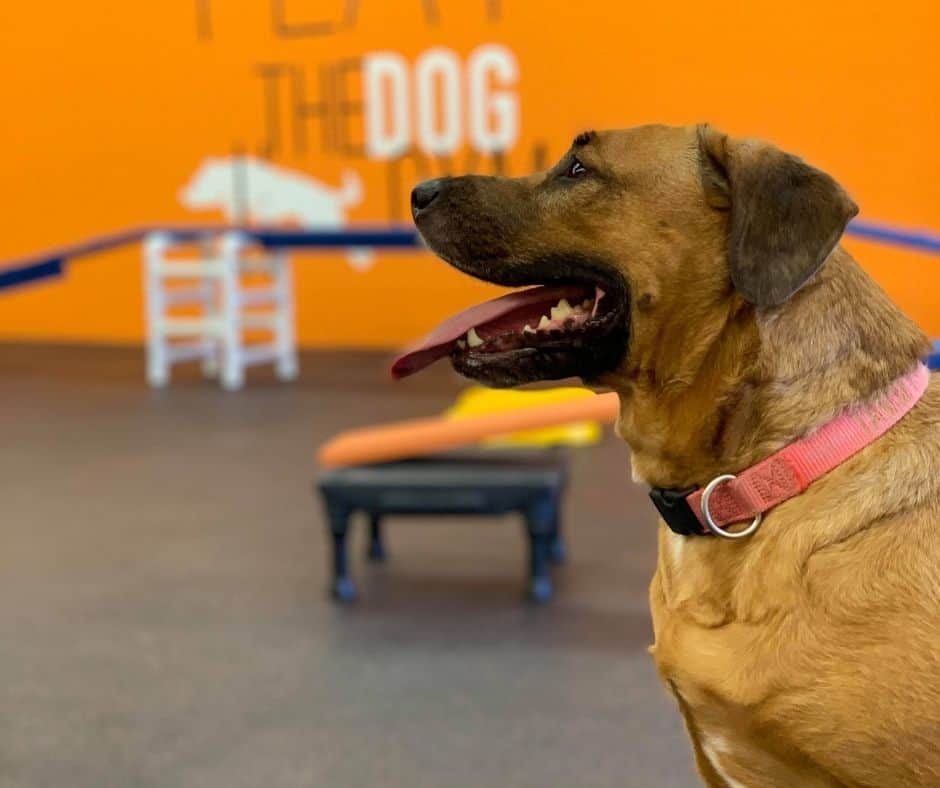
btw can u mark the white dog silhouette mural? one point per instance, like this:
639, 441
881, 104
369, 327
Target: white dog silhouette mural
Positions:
252, 189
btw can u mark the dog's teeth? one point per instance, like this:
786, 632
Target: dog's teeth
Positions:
562, 310
544, 322
461, 344
528, 329
473, 338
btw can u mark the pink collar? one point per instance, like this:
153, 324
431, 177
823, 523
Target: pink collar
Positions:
748, 495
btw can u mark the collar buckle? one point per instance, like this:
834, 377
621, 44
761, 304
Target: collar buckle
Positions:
673, 506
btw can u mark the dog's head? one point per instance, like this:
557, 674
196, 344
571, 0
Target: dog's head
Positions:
630, 230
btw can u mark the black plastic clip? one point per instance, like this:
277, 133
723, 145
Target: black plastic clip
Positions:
674, 507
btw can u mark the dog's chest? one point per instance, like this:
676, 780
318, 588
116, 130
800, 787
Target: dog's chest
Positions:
729, 749
707, 661
719, 751
679, 615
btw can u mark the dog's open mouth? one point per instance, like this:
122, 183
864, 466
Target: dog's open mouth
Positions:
547, 332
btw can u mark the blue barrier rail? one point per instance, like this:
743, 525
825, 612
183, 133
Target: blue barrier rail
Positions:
933, 360
920, 240
52, 262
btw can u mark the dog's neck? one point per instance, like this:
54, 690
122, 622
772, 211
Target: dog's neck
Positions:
717, 392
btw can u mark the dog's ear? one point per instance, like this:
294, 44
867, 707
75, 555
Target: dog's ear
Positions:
786, 217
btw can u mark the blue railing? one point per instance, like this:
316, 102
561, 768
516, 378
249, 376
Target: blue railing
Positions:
52, 261
933, 360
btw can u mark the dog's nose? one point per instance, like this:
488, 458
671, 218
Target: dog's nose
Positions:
424, 194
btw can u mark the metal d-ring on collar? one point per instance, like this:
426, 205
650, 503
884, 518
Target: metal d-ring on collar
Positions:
712, 525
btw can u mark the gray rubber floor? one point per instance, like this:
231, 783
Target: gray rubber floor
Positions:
164, 622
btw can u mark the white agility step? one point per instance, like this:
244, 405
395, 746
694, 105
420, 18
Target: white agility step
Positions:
210, 286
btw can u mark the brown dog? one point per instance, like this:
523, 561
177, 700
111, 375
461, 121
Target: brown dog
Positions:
701, 279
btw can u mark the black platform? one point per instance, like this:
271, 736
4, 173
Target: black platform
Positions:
482, 482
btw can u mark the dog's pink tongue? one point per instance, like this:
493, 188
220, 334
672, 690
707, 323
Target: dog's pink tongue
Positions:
441, 340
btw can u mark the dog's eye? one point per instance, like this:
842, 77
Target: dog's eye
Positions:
576, 169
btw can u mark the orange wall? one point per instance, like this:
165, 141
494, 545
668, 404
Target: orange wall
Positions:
109, 107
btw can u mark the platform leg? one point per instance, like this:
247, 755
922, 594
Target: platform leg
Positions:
376, 544
557, 551
342, 587
540, 524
